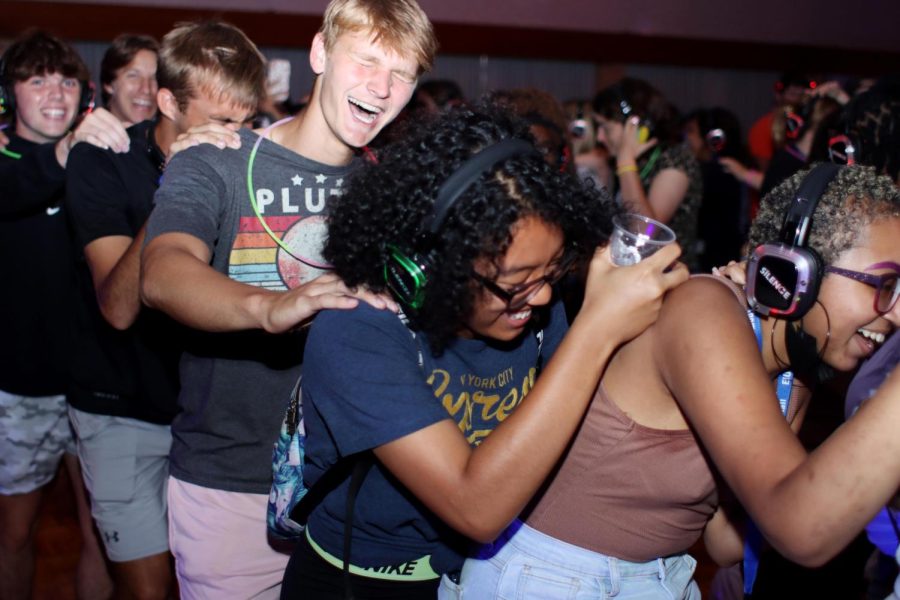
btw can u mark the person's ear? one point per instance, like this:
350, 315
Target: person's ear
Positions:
168, 104
318, 55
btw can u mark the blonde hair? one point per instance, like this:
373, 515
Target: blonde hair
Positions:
399, 25
212, 56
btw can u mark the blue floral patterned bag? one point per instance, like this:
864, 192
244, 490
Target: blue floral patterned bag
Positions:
288, 488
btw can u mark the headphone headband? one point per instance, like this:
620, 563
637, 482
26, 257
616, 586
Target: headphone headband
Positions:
407, 275
795, 229
783, 275
463, 177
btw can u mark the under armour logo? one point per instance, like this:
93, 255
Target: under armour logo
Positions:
111, 537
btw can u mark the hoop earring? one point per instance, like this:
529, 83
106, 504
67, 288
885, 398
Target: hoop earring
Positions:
781, 363
803, 351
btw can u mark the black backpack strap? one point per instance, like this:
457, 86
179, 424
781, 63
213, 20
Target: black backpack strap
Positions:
361, 468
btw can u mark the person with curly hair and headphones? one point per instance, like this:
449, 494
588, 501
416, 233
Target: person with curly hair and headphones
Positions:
701, 406
465, 409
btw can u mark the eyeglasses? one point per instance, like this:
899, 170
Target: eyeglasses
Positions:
887, 286
518, 296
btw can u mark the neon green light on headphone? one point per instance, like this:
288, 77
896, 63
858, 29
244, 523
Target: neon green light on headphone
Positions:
413, 291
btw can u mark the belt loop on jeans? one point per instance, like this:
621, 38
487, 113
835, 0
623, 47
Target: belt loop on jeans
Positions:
661, 567
614, 579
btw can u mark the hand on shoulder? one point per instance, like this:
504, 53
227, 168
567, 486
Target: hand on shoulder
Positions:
287, 310
100, 128
215, 134
627, 300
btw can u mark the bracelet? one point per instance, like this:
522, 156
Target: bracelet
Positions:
632, 168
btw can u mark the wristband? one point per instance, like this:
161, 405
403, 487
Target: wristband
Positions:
626, 169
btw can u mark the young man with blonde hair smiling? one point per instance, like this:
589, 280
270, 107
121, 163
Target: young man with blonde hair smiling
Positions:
243, 264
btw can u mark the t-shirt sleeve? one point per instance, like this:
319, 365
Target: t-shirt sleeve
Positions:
361, 375
95, 196
192, 195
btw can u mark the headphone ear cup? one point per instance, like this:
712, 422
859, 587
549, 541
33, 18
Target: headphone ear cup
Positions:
86, 103
7, 105
793, 125
783, 281
406, 276
7, 93
816, 272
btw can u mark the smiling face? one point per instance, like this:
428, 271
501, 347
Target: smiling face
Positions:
857, 330
46, 106
361, 87
133, 91
534, 252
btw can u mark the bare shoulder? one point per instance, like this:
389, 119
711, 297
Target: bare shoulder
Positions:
700, 297
699, 320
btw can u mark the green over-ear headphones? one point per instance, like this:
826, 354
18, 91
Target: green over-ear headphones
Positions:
406, 273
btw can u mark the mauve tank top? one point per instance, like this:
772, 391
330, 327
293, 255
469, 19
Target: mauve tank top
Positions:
626, 490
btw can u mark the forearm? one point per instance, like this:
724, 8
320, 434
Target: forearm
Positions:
62, 148
832, 495
119, 296
633, 195
723, 538
506, 470
179, 284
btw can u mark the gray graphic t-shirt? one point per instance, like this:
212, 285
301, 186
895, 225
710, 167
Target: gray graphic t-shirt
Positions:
235, 386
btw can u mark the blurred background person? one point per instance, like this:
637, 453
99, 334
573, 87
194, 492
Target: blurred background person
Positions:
658, 176
128, 78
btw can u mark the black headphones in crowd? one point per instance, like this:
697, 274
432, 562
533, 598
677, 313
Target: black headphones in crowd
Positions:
645, 125
842, 150
406, 274
783, 276
8, 93
578, 126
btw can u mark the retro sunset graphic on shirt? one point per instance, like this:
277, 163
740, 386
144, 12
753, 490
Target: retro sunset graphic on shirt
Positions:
294, 215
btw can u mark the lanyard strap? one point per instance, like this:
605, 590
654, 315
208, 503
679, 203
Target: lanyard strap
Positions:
754, 538
252, 193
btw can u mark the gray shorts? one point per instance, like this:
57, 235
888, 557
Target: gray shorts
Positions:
125, 464
34, 434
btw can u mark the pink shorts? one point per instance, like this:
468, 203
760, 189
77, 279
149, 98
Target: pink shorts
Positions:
220, 545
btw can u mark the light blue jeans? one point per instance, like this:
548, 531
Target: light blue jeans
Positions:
527, 564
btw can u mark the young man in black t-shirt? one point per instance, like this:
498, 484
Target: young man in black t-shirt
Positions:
125, 380
42, 86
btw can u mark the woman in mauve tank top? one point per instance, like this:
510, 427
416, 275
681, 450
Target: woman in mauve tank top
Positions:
690, 402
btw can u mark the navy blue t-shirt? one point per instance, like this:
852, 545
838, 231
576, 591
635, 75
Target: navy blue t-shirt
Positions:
363, 387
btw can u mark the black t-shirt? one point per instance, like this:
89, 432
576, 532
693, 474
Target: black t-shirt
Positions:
37, 272
131, 373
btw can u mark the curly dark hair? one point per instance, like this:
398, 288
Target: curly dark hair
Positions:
387, 204
857, 197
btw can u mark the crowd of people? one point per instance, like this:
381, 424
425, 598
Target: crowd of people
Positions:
490, 407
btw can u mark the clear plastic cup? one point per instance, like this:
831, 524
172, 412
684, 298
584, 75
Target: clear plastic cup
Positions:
636, 237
